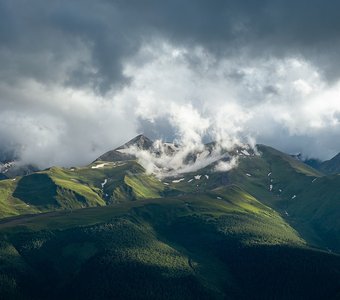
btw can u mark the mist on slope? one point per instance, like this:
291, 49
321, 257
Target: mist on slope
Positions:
171, 159
189, 152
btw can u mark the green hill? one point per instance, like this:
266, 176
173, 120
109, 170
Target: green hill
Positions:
305, 197
195, 246
98, 184
267, 229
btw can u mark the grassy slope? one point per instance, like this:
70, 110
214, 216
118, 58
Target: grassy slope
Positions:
114, 182
304, 197
275, 178
206, 241
60, 188
188, 247
45, 191
10, 205
273, 168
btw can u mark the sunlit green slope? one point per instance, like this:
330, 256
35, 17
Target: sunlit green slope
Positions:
267, 229
188, 247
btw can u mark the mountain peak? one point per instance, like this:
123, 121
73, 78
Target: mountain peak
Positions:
141, 141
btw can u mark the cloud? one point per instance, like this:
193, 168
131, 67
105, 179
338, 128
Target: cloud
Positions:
89, 42
239, 109
57, 125
81, 77
171, 159
225, 166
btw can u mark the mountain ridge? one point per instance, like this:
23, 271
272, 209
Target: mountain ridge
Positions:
269, 227
331, 166
140, 141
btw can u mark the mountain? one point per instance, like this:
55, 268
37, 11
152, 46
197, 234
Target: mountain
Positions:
331, 166
313, 162
140, 141
118, 154
267, 229
11, 169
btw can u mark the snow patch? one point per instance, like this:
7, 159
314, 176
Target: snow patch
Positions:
270, 173
111, 164
294, 197
190, 180
206, 176
248, 174
99, 166
245, 152
124, 150
270, 187
198, 177
314, 179
219, 198
103, 183
6, 166
178, 180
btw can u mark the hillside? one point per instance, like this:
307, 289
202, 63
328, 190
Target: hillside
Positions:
205, 247
331, 166
267, 228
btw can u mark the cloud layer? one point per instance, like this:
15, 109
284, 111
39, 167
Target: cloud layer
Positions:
81, 77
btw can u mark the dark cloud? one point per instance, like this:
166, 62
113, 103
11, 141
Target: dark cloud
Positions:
37, 37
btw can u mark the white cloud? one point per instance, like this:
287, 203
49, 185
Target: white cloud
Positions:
269, 100
183, 158
62, 126
282, 102
225, 166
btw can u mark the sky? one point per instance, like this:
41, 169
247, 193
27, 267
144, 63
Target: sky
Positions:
78, 78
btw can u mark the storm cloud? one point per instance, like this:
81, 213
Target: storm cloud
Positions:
80, 77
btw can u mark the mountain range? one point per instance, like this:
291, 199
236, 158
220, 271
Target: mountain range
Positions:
268, 228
